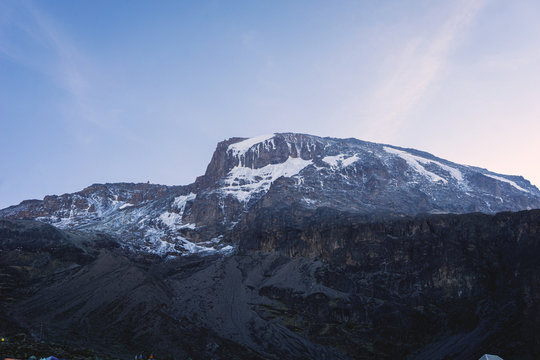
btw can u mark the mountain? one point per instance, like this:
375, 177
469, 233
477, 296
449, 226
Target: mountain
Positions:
279, 170
319, 285
290, 246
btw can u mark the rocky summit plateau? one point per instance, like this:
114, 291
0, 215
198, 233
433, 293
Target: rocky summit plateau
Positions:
273, 171
290, 246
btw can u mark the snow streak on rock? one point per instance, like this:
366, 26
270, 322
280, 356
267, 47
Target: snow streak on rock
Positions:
243, 182
240, 148
417, 163
507, 181
340, 160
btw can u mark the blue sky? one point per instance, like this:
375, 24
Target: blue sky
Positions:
100, 91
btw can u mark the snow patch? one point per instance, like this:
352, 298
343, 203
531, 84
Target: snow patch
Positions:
417, 163
193, 248
349, 161
333, 160
309, 201
171, 220
240, 148
507, 181
125, 206
180, 201
337, 160
242, 182
157, 242
227, 249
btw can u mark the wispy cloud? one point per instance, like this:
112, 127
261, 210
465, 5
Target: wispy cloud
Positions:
48, 49
72, 68
414, 70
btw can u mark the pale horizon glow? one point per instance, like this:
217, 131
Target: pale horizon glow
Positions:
133, 91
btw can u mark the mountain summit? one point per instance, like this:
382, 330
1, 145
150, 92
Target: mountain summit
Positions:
279, 170
336, 249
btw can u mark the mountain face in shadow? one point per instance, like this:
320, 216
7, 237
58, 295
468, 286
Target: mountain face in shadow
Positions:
324, 285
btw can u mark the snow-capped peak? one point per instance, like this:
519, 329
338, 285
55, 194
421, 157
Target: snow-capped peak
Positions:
240, 148
345, 174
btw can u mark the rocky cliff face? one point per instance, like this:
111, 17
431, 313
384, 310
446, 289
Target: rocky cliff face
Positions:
292, 170
325, 286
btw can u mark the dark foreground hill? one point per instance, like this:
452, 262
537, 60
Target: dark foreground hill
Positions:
320, 284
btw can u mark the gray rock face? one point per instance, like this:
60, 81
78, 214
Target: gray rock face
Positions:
302, 171
326, 286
